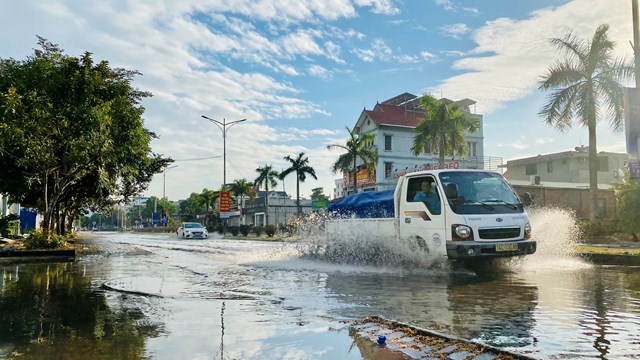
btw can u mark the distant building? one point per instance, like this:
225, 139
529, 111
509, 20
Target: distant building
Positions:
562, 179
393, 122
281, 209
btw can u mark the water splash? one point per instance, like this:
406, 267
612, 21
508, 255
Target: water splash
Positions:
357, 247
557, 233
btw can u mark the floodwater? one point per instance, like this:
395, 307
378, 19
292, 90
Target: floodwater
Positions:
158, 297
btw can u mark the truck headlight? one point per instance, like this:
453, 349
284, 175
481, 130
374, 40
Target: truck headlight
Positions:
461, 232
527, 231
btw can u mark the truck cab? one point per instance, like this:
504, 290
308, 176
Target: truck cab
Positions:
466, 214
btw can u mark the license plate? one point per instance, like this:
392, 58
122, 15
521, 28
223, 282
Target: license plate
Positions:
506, 247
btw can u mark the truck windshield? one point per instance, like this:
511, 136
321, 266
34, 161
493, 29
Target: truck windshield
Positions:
479, 192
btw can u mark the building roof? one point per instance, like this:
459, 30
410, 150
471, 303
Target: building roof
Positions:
385, 114
404, 110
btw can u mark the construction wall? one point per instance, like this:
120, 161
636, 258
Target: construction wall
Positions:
574, 199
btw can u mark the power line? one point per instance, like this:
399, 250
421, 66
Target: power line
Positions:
197, 159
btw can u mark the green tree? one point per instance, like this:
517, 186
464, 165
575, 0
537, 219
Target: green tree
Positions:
318, 194
358, 146
207, 201
190, 208
71, 135
300, 166
242, 188
628, 202
585, 84
444, 124
267, 176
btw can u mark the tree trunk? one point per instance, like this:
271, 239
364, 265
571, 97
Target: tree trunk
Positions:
266, 204
593, 172
298, 193
355, 176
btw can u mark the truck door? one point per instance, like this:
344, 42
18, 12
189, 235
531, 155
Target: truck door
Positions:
422, 215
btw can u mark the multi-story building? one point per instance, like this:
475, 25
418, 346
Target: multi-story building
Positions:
393, 122
567, 167
562, 179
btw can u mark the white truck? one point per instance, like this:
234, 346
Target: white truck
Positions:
479, 217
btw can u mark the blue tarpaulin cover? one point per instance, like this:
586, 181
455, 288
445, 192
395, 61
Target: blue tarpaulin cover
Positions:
369, 204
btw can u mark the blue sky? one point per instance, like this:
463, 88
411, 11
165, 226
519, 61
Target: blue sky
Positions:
301, 71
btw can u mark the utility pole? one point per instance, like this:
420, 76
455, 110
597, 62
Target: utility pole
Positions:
636, 41
223, 126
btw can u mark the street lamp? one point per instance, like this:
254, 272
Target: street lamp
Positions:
223, 126
164, 181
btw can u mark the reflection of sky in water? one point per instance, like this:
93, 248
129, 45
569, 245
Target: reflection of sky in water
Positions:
281, 305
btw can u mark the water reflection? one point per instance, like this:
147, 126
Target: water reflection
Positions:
49, 309
460, 305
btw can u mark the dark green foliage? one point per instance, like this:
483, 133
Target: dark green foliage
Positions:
72, 135
359, 145
258, 230
244, 230
270, 230
5, 222
628, 200
219, 229
234, 230
40, 240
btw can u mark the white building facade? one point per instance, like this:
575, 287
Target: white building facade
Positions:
394, 122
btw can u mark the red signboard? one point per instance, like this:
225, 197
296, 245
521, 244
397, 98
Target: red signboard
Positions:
225, 201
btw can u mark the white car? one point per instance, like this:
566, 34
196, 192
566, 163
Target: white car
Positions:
192, 230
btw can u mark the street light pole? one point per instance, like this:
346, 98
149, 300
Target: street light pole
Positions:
164, 181
224, 125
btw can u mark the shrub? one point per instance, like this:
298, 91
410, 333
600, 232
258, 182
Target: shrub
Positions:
233, 230
219, 229
244, 230
39, 240
5, 224
270, 230
258, 230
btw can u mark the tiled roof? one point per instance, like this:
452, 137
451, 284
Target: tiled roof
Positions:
384, 114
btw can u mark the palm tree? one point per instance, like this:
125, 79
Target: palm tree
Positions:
206, 200
266, 176
358, 145
444, 124
301, 167
585, 84
242, 188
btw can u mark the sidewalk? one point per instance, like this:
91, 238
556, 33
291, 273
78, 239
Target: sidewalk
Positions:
611, 254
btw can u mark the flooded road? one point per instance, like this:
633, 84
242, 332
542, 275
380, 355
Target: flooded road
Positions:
158, 297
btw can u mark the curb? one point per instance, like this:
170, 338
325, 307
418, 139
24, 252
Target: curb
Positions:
417, 342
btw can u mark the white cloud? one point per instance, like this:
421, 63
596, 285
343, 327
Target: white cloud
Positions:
455, 30
446, 4
319, 71
510, 55
380, 6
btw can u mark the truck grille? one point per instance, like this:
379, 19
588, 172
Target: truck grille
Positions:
499, 233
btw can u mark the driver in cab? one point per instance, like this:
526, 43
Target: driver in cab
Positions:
428, 197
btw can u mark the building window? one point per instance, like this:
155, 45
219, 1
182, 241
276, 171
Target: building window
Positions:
549, 166
531, 169
388, 169
472, 146
427, 148
387, 143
